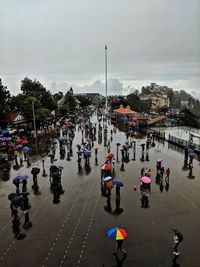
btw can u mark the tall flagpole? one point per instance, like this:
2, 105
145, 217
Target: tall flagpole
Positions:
106, 77
34, 125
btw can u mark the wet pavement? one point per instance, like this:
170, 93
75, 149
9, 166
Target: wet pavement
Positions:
73, 232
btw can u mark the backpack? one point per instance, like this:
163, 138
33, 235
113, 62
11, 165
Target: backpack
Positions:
180, 237
109, 184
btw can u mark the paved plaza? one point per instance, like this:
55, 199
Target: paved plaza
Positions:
73, 232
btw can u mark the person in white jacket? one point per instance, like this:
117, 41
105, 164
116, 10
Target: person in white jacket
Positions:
176, 242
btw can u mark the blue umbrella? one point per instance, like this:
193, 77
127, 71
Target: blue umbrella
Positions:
26, 148
21, 177
87, 152
60, 167
192, 155
62, 138
5, 131
8, 138
3, 139
118, 182
117, 233
190, 150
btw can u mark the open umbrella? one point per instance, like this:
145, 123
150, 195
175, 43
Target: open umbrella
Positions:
106, 167
4, 156
53, 142
159, 160
62, 138
86, 152
18, 140
192, 155
11, 196
18, 147
190, 150
16, 200
8, 138
117, 233
3, 138
60, 168
109, 156
21, 176
35, 170
146, 180
108, 178
118, 182
26, 149
24, 142
5, 131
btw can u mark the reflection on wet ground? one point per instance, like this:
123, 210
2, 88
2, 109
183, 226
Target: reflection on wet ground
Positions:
70, 211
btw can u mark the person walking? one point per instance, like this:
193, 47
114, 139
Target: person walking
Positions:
177, 239
167, 174
119, 244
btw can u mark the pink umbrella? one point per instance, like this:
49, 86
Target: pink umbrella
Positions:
18, 140
146, 180
25, 142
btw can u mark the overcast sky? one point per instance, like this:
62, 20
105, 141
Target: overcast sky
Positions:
62, 41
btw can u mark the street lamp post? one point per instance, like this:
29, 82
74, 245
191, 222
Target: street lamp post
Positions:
106, 76
34, 124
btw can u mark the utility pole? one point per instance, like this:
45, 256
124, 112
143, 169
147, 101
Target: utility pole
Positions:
34, 124
106, 77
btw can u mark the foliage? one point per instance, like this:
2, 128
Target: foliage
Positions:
189, 119
4, 102
37, 90
33, 92
68, 103
119, 100
84, 100
42, 114
58, 96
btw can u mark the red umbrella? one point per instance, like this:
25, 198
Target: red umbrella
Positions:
25, 142
106, 167
109, 156
19, 140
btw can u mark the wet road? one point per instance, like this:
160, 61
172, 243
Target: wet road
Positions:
73, 232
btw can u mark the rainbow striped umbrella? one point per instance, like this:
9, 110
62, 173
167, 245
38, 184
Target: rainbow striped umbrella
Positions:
117, 233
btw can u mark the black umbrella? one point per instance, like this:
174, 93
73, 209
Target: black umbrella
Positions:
11, 196
35, 170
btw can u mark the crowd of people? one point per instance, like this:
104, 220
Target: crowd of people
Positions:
64, 135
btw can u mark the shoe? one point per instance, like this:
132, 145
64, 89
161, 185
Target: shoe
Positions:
177, 253
174, 253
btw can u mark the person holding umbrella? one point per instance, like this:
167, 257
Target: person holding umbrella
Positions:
35, 171
16, 182
118, 183
145, 190
119, 234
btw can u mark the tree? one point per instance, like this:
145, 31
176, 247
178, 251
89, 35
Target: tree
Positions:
42, 114
33, 92
58, 96
84, 100
5, 98
37, 90
69, 102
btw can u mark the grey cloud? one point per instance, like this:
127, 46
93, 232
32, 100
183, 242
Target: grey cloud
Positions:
59, 41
